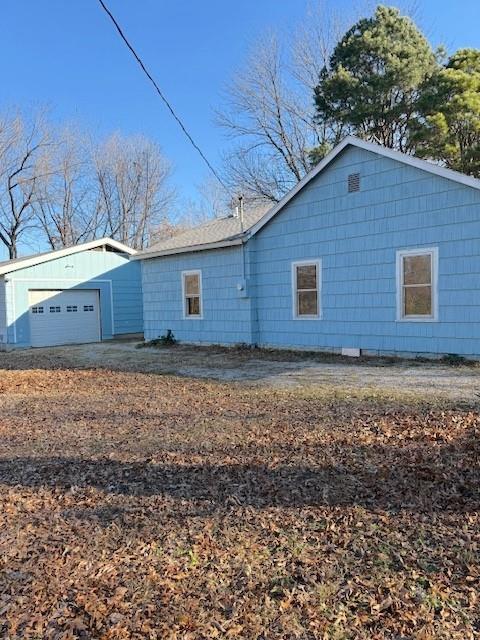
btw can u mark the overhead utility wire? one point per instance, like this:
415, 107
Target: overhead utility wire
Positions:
158, 90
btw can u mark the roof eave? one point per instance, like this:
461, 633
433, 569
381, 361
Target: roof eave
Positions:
147, 255
62, 253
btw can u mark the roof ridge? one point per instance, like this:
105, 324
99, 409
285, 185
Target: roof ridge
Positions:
216, 221
212, 221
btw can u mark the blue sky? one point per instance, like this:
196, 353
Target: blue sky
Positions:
65, 54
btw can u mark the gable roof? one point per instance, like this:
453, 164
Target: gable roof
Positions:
412, 161
30, 261
220, 232
226, 232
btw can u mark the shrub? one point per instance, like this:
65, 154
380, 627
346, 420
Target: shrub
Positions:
167, 340
453, 359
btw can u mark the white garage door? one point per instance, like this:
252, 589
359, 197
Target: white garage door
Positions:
64, 317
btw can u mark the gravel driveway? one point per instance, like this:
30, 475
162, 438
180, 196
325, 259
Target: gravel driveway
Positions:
270, 368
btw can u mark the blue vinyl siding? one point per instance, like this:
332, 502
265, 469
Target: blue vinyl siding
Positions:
226, 315
117, 279
356, 236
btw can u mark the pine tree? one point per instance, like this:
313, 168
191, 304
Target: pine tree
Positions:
448, 127
371, 86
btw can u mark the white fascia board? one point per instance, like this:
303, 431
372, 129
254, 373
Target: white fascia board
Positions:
61, 253
115, 244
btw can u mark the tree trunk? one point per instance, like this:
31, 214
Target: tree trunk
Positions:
12, 249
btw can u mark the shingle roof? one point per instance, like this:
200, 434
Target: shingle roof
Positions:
225, 231
214, 231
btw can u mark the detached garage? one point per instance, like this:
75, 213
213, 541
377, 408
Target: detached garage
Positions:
87, 293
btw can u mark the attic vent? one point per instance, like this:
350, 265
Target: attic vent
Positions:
353, 182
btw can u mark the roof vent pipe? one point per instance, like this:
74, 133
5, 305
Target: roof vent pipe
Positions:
240, 211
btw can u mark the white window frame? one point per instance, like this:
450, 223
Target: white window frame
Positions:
303, 263
192, 272
420, 251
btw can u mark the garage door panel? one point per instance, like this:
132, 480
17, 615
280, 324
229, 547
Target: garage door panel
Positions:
64, 317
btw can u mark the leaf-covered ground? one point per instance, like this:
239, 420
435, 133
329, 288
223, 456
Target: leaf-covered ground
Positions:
143, 506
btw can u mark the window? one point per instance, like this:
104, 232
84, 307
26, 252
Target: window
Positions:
37, 309
55, 309
88, 307
192, 294
306, 278
72, 308
417, 284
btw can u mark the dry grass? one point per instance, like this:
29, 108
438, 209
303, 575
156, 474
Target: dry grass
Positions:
143, 506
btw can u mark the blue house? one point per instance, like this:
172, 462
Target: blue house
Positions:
86, 293
372, 252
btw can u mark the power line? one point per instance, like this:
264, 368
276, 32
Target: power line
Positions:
160, 93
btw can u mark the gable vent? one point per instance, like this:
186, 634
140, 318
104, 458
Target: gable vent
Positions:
353, 182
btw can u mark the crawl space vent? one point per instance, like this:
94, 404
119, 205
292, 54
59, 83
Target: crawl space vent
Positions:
353, 182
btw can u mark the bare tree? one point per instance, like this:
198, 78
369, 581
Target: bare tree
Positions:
24, 146
66, 207
212, 203
214, 199
132, 186
168, 228
268, 117
269, 107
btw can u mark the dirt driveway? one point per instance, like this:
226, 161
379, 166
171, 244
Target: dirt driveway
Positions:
278, 369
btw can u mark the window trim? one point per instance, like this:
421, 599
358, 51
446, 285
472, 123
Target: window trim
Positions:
419, 251
192, 272
299, 263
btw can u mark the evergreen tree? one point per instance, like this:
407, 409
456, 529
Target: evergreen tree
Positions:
448, 127
371, 86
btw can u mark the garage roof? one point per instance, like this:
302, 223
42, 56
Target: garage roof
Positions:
30, 261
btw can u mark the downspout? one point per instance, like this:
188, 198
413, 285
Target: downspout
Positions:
246, 292
240, 215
